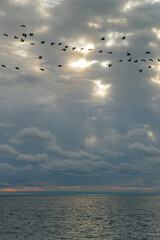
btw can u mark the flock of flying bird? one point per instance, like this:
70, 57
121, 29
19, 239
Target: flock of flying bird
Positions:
128, 54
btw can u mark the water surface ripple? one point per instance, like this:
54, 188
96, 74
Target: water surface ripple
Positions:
111, 217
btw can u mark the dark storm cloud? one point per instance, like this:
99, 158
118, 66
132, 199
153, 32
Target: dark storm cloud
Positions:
57, 123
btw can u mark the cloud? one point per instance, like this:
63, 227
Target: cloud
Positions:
34, 134
62, 130
7, 151
6, 167
145, 151
32, 157
5, 125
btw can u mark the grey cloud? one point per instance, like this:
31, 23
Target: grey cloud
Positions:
7, 151
57, 104
32, 158
5, 125
6, 167
145, 151
33, 133
137, 134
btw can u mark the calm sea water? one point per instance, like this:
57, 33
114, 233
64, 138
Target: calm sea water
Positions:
111, 217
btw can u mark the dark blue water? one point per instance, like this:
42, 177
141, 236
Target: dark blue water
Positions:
80, 217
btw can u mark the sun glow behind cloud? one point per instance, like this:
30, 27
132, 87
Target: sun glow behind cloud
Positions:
82, 63
101, 89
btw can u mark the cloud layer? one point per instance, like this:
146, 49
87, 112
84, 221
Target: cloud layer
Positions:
85, 124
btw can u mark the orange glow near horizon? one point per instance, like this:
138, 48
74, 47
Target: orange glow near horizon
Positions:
23, 189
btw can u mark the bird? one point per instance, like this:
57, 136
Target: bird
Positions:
149, 67
158, 60
123, 38
151, 60
17, 68
128, 54
24, 35
63, 49
42, 42
73, 48
140, 70
23, 26
22, 40
90, 49
15, 37
103, 38
52, 43
32, 43
60, 44
110, 52
31, 34
59, 65
143, 60
66, 46
82, 48
121, 60
3, 65
40, 57
5, 34
42, 69
100, 51
129, 60
148, 52
110, 65
135, 60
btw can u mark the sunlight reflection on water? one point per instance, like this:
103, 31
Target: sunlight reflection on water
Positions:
80, 217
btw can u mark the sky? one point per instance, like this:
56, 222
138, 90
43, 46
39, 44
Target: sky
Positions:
83, 126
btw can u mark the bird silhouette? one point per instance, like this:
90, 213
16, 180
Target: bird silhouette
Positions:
32, 43
151, 60
22, 40
59, 65
60, 44
100, 51
129, 60
17, 68
82, 48
3, 65
6, 35
110, 52
15, 37
148, 52
42, 42
121, 60
158, 60
128, 54
110, 65
140, 70
63, 49
103, 38
40, 57
52, 43
149, 67
123, 38
24, 35
73, 48
42, 69
143, 60
66, 46
23, 26
135, 60
31, 34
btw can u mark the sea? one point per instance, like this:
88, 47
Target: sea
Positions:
80, 216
